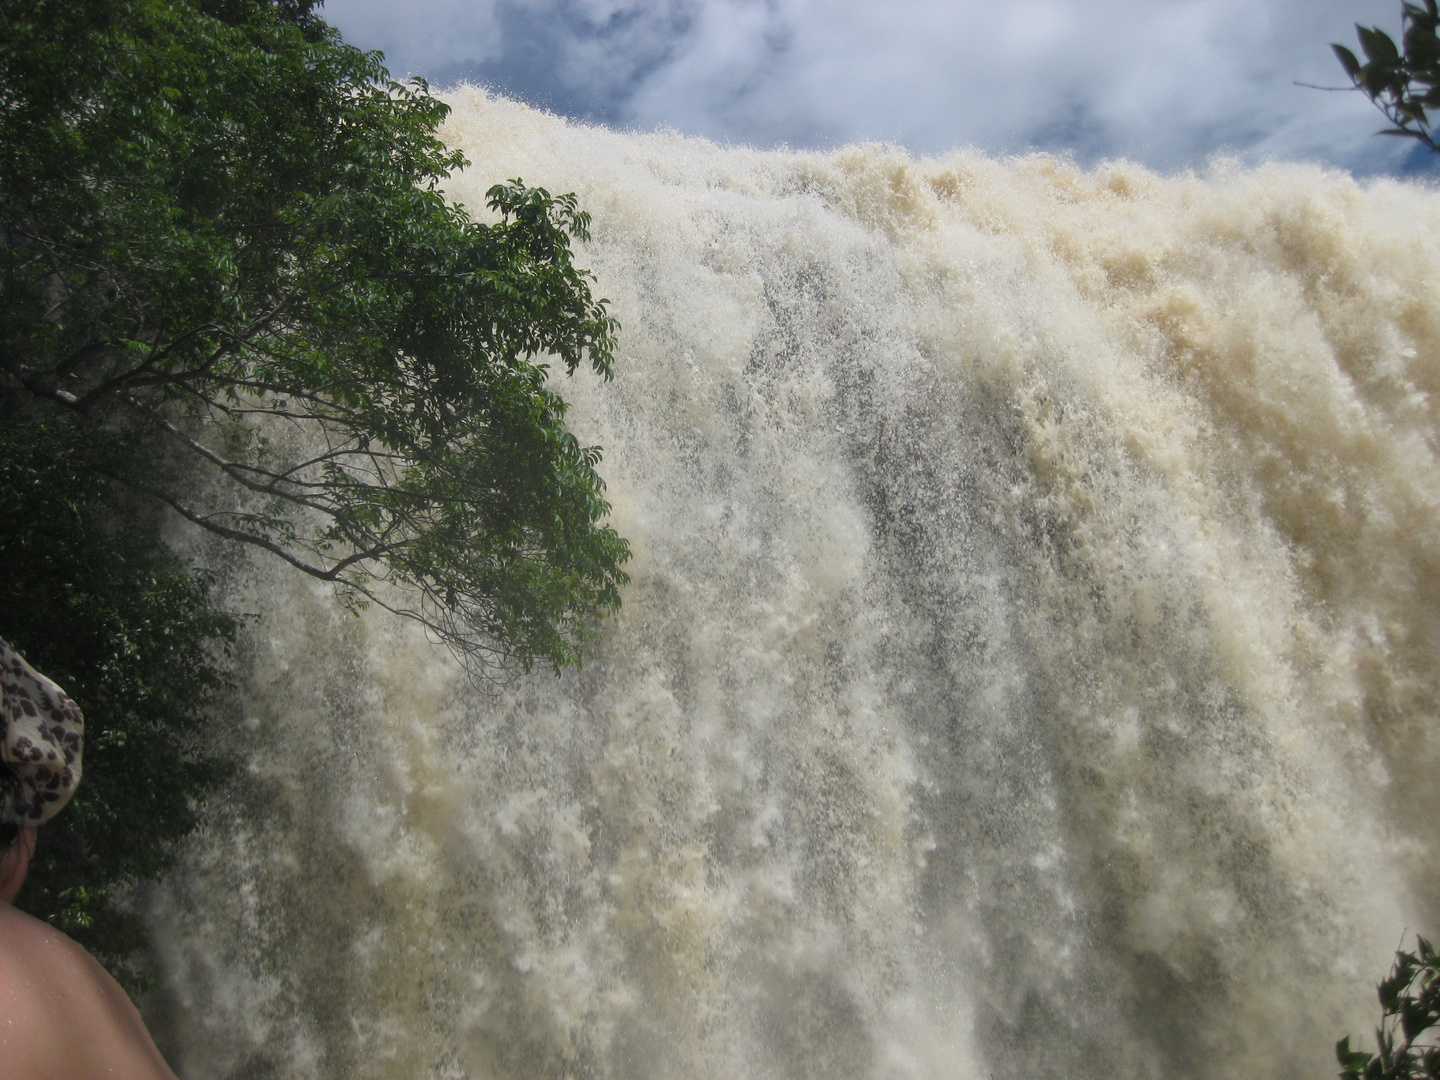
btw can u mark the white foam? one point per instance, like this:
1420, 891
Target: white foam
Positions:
1028, 667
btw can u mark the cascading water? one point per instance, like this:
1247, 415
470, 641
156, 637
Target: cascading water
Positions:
1029, 668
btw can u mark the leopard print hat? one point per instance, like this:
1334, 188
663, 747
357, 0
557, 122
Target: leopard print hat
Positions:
40, 742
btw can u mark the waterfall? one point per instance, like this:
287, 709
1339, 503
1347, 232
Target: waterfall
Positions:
1029, 667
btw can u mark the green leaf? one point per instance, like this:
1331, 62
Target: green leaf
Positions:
1422, 49
1348, 61
1377, 45
1353, 1063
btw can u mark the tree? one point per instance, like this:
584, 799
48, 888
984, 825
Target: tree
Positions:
223, 237
231, 289
1401, 84
1410, 1007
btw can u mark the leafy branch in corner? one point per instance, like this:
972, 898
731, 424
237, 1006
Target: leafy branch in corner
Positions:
1402, 81
1410, 1004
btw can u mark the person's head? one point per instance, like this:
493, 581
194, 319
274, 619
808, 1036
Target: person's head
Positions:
40, 747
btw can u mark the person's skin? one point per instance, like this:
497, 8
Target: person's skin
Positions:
62, 1017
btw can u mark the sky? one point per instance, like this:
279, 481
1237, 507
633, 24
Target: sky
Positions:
1167, 83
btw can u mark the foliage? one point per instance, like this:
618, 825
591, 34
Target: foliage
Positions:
1401, 84
1410, 1004
223, 229
131, 635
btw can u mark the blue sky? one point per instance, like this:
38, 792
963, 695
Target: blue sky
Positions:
1169, 83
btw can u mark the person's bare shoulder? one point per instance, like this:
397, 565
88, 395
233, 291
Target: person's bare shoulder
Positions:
61, 1014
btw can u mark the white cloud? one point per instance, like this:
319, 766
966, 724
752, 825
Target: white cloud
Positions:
419, 37
1167, 82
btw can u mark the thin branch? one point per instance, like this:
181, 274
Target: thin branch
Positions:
237, 534
231, 469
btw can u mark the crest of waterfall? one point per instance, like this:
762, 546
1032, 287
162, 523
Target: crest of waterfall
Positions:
1029, 668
